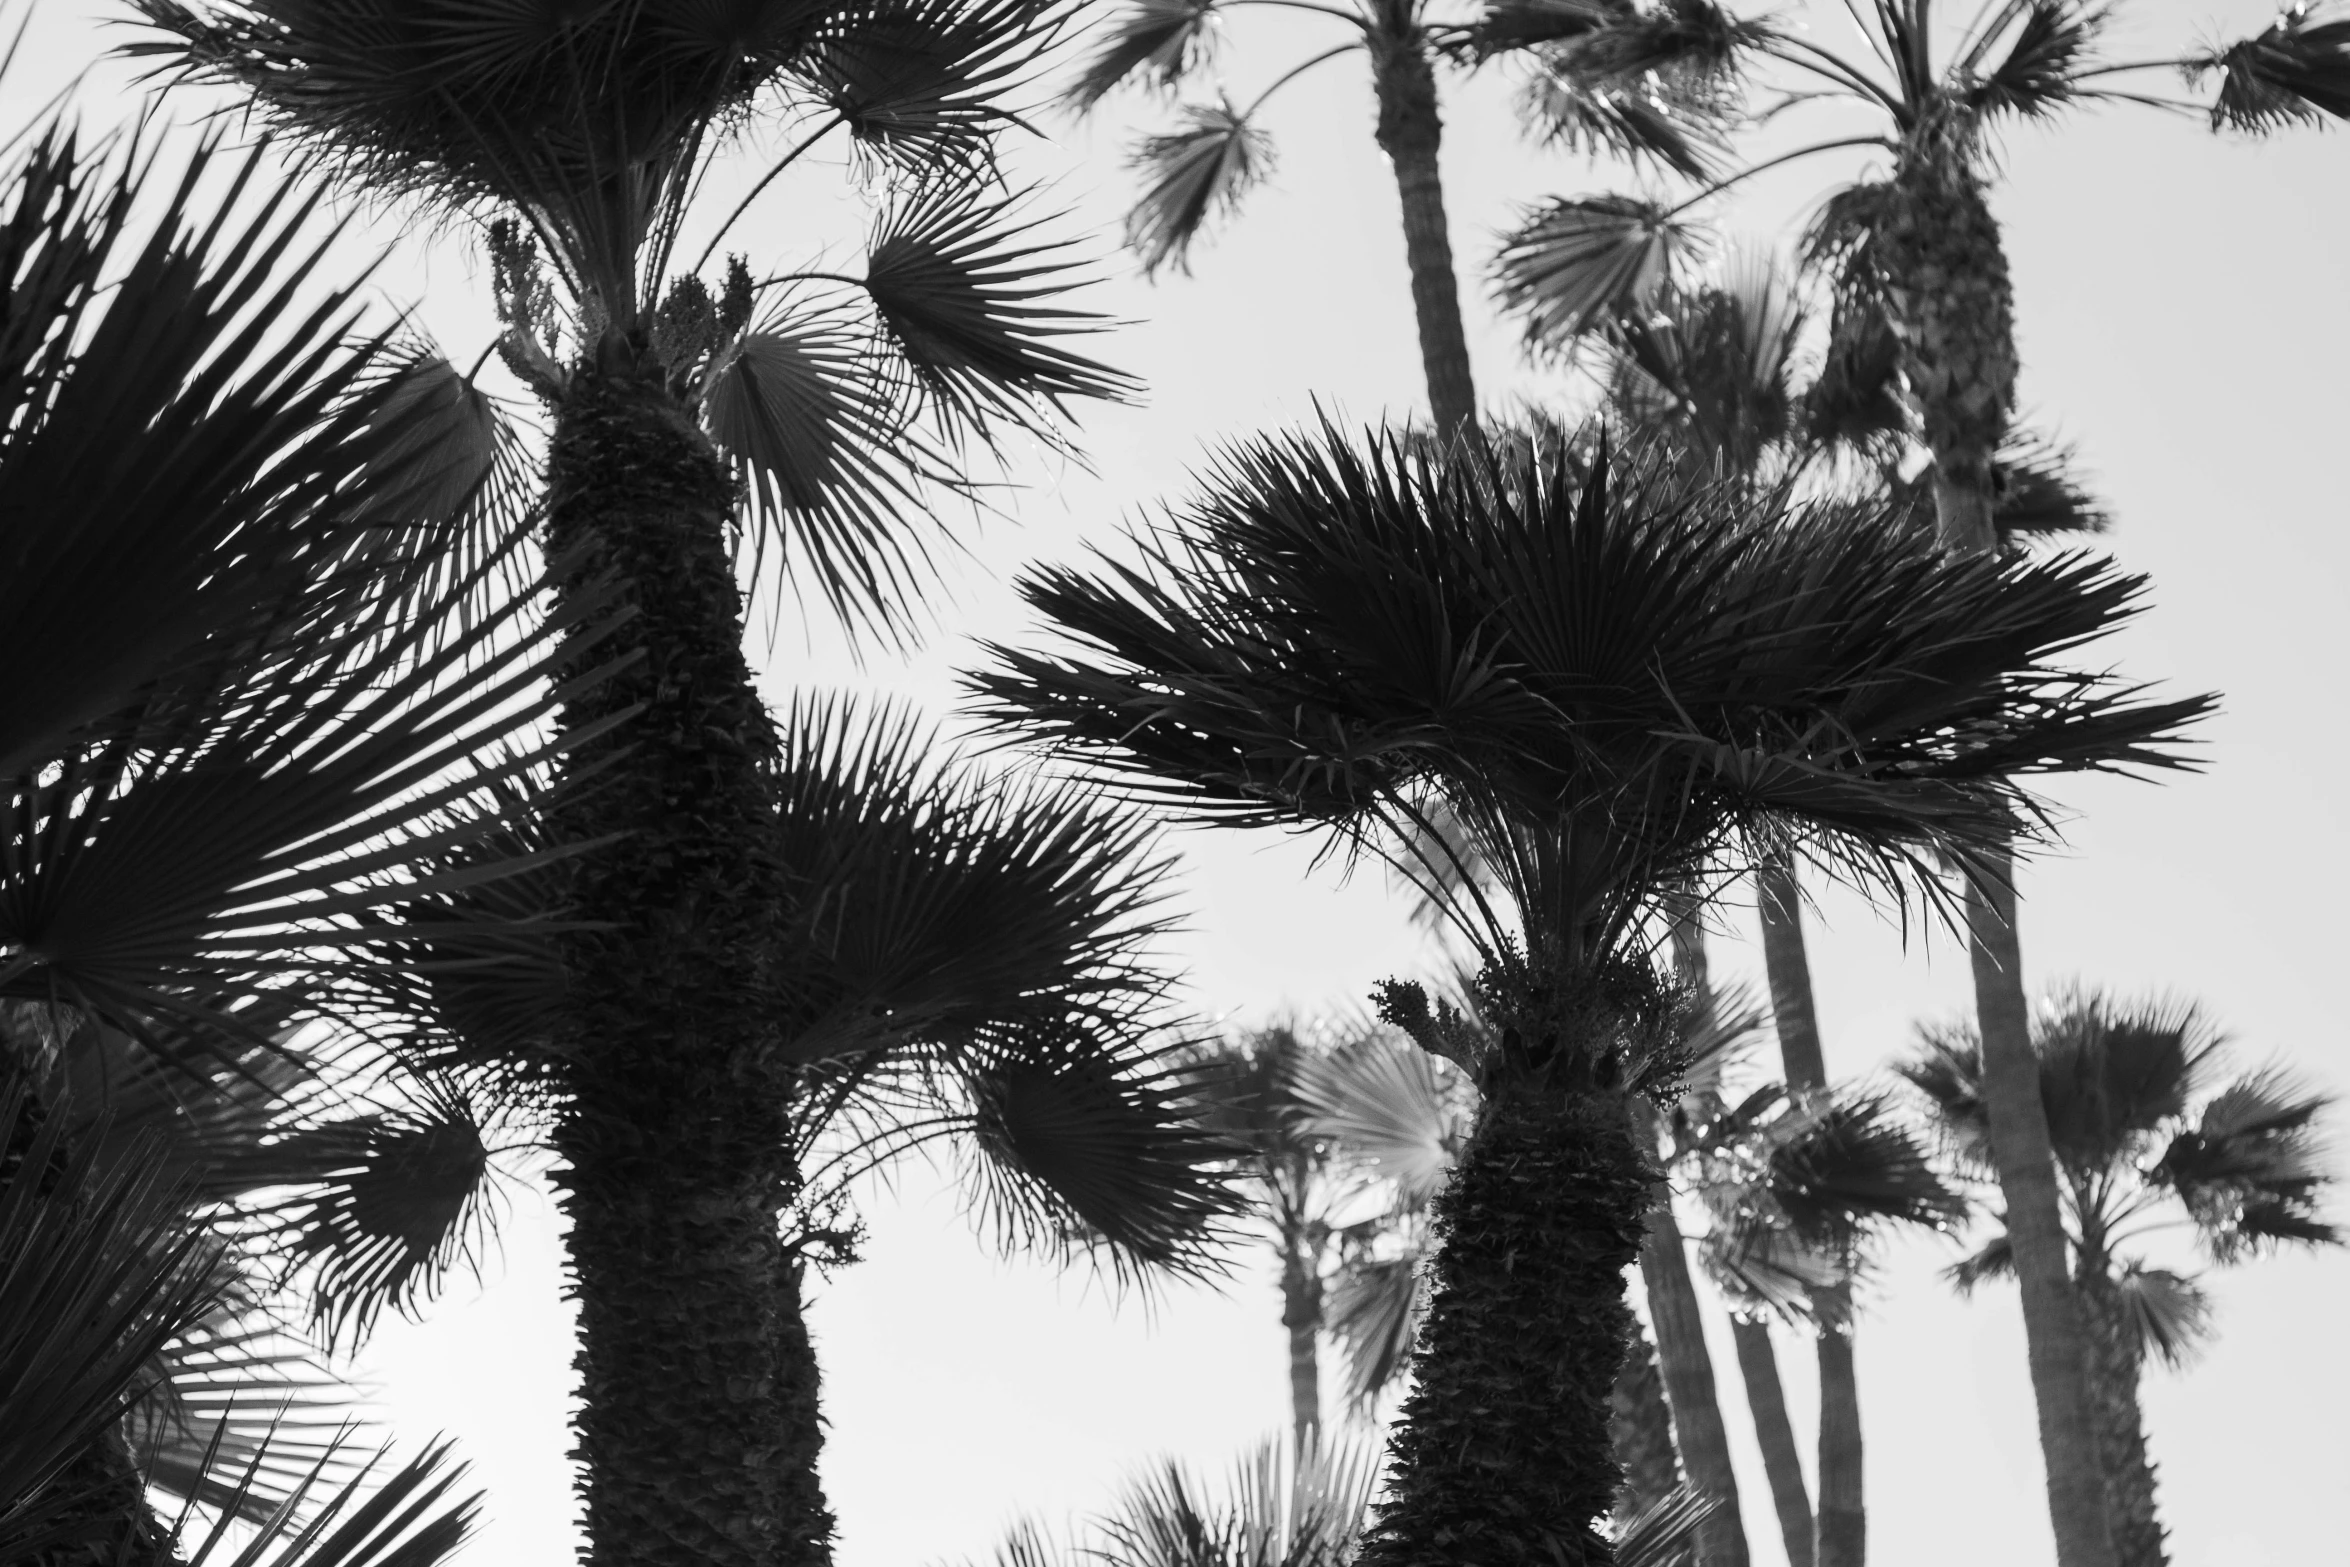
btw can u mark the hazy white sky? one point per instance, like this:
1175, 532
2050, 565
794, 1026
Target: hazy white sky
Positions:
2185, 314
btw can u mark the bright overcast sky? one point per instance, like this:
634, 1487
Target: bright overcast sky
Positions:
2185, 313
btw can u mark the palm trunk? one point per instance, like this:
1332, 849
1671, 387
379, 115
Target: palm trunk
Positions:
1501, 1456
1689, 1385
698, 1429
1640, 1428
1956, 313
2114, 1364
1840, 1530
2056, 1339
1409, 132
1301, 1314
108, 1521
1766, 1396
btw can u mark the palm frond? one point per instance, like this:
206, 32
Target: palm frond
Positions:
960, 290
280, 812
2296, 70
1679, 129
920, 81
1160, 41
1510, 26
1281, 1507
1993, 1259
1577, 262
2251, 1169
103, 1270
2168, 1313
404, 1520
835, 471
1388, 1103
1086, 1145
2039, 491
186, 433
1193, 177
1664, 1534
1373, 1310
2040, 71
1854, 401
1337, 634
382, 1207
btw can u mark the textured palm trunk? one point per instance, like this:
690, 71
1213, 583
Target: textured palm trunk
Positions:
1774, 1433
1841, 1525
1501, 1457
1640, 1428
1410, 131
110, 1522
1955, 311
1301, 1314
1689, 1384
2115, 1361
698, 1428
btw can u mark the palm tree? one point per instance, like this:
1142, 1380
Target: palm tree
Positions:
2148, 1132
1605, 676
1916, 251
581, 134
1201, 171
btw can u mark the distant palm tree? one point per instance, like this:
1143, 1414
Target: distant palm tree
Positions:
1917, 255
1567, 659
580, 134
2147, 1133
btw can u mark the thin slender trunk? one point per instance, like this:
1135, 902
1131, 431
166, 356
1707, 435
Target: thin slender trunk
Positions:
1766, 1396
1842, 1531
1640, 1428
1689, 1385
1501, 1457
698, 1427
2056, 1338
1840, 1528
2115, 1361
1410, 131
1955, 311
1301, 1314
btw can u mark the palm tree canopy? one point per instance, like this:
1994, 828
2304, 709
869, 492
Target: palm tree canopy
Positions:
1603, 673
2137, 1112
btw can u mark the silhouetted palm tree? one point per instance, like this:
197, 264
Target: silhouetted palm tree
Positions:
580, 134
1607, 678
1917, 256
2147, 1131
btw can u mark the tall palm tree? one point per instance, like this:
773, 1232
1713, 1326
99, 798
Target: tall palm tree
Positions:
1916, 250
1202, 170
1606, 676
2148, 1132
580, 134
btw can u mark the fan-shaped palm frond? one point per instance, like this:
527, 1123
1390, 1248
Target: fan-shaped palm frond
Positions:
2295, 70
2170, 1314
832, 463
1373, 1310
1579, 260
402, 1520
1161, 41
186, 433
1334, 635
1658, 84
1282, 1506
2250, 1168
1388, 1104
1191, 178
919, 81
2040, 70
103, 1271
960, 289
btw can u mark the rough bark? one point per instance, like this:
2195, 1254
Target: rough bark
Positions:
698, 1428
1640, 1428
1501, 1457
2055, 1336
2115, 1361
1410, 131
1842, 1531
1301, 1314
1954, 311
1774, 1433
